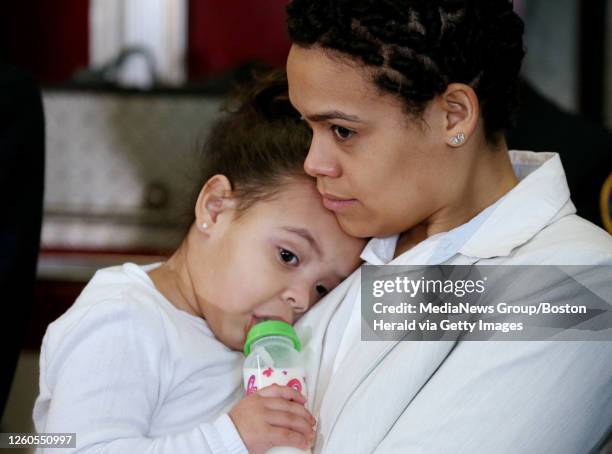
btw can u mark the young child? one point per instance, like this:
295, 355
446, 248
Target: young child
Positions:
148, 357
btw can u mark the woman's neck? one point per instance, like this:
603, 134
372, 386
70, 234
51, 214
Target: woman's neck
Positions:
485, 181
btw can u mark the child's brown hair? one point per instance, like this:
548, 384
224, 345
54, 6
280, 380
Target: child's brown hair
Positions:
259, 143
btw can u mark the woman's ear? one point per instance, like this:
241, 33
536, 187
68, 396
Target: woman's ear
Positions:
214, 198
460, 103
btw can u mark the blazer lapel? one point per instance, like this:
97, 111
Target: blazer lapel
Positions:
363, 360
392, 374
311, 330
414, 361
359, 362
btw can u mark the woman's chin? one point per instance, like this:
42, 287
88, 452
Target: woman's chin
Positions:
356, 228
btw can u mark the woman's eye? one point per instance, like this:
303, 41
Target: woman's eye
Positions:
321, 290
288, 257
342, 133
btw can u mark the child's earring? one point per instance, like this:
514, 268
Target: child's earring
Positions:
205, 225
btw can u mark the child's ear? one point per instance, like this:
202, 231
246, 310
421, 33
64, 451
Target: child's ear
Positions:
215, 198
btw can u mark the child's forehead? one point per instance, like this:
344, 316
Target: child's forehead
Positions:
297, 193
297, 210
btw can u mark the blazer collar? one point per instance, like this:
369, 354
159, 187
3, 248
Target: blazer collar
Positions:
541, 197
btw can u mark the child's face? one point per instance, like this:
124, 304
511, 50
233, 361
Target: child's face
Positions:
274, 261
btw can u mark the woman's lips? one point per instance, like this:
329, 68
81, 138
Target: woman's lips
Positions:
336, 203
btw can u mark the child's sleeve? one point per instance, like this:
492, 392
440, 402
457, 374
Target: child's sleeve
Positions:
102, 373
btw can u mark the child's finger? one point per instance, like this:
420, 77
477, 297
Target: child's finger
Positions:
279, 436
282, 391
290, 421
280, 404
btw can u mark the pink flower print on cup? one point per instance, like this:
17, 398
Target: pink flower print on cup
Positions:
295, 384
251, 386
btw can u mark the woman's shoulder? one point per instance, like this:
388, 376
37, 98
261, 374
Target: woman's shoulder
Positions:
569, 240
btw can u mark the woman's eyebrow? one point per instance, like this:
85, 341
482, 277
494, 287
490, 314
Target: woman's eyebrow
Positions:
304, 233
334, 115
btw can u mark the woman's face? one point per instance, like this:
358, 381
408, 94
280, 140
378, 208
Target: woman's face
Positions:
274, 261
378, 170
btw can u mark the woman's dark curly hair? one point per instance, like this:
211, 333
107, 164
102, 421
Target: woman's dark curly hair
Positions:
421, 46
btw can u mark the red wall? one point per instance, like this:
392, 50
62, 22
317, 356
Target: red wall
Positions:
223, 34
48, 38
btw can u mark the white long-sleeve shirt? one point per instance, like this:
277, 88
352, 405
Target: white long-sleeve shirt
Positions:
128, 372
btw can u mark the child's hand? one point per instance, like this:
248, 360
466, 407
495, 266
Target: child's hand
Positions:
273, 416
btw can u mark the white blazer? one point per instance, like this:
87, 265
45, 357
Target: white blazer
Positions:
469, 397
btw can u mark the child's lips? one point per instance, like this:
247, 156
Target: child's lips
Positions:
262, 318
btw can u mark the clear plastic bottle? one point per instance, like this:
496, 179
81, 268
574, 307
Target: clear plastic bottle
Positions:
273, 356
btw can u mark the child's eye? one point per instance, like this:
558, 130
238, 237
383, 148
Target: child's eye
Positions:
342, 133
288, 257
321, 290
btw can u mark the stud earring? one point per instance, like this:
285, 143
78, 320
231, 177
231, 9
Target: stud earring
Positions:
458, 139
205, 225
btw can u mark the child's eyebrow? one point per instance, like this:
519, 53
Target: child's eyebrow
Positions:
304, 233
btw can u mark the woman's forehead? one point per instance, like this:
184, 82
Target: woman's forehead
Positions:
320, 83
314, 69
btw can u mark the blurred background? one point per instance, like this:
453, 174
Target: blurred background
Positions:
129, 87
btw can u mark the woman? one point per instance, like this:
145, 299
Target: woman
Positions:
408, 102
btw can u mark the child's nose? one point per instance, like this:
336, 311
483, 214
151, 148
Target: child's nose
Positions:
297, 298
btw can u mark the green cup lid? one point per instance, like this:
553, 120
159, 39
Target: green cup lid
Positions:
271, 328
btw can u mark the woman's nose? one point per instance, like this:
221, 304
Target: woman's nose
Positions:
320, 161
